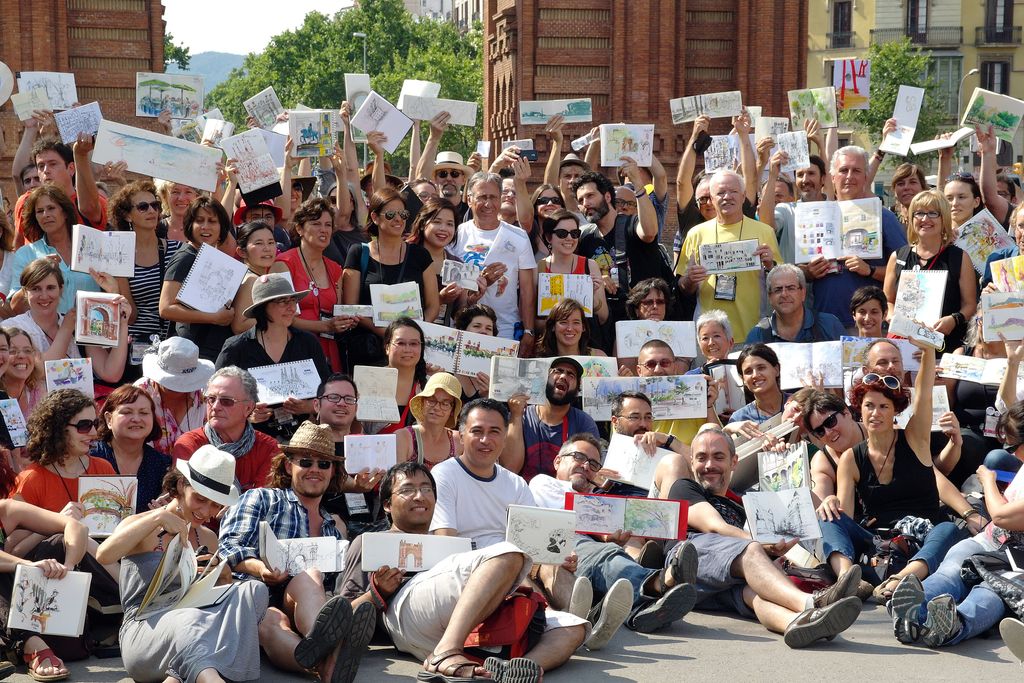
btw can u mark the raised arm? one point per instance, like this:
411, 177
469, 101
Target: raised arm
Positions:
593, 153
658, 177
88, 198
919, 429
1008, 385
876, 159
748, 162
438, 125
999, 207
514, 451
684, 176
375, 140
284, 202
524, 208
766, 208
414, 148
553, 129
349, 146
647, 225
23, 155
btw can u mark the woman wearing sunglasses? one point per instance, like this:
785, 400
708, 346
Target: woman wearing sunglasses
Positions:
562, 233
892, 474
760, 371
931, 247
546, 200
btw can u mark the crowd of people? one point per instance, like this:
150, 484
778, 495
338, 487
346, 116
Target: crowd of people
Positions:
918, 518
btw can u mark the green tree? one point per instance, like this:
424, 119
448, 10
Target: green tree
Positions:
892, 65
178, 54
307, 66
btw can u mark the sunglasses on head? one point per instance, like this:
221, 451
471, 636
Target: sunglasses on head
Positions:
306, 463
142, 206
888, 380
828, 423
390, 215
561, 233
959, 176
445, 174
541, 201
85, 426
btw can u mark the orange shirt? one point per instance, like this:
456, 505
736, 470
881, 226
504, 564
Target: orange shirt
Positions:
42, 487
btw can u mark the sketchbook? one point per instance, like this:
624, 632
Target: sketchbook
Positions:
254, 164
1002, 112
547, 536
14, 421
425, 108
969, 369
782, 471
1002, 313
310, 131
391, 302
505, 247
111, 252
296, 555
635, 141
97, 318
838, 229
981, 235
157, 155
51, 607
730, 257
107, 500
511, 376
178, 583
264, 106
674, 397
212, 282
810, 364
370, 452
630, 335
59, 86
215, 130
554, 287
84, 119
713, 105
69, 373
632, 463
463, 274
813, 103
919, 295
775, 516
645, 517
906, 112
25, 103
377, 390
410, 86
1008, 274
855, 352
353, 309
275, 383
795, 146
463, 353
942, 143
409, 552
940, 405
539, 112
357, 88
377, 114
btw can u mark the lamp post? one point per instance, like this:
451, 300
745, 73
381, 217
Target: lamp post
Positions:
360, 34
959, 100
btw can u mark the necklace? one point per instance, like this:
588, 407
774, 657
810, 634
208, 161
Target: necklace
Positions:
309, 272
881, 470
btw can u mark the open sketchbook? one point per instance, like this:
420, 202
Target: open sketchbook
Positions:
646, 517
409, 552
276, 383
1002, 315
781, 471
296, 555
674, 397
630, 335
212, 282
774, 516
978, 370
547, 536
178, 583
838, 229
632, 463
511, 376
463, 353
108, 251
919, 295
50, 607
940, 405
14, 421
107, 501
69, 373
981, 235
377, 390
810, 364
855, 352
554, 287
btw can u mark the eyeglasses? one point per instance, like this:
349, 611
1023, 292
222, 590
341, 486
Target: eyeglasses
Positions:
541, 201
142, 206
225, 401
921, 215
654, 364
703, 200
338, 398
788, 289
410, 491
583, 459
306, 463
828, 423
651, 303
636, 418
888, 380
390, 215
486, 198
959, 175
85, 426
402, 343
562, 234
431, 402
453, 174
624, 204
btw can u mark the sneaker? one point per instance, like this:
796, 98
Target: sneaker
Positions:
905, 609
582, 597
865, 590
615, 607
675, 604
816, 624
942, 623
1012, 631
652, 555
518, 670
845, 586
682, 568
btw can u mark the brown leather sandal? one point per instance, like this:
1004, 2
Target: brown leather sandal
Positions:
436, 673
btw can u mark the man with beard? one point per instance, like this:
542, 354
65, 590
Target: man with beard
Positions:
791, 319
447, 170
645, 599
292, 506
737, 573
537, 432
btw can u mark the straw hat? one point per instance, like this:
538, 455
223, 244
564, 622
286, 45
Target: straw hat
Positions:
452, 160
571, 159
176, 366
211, 472
312, 439
447, 383
267, 288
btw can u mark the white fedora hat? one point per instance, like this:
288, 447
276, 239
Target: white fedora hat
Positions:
452, 160
211, 472
176, 365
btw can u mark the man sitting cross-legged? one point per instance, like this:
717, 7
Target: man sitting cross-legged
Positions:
292, 504
737, 573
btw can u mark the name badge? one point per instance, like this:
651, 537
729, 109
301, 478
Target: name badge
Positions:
725, 288
356, 503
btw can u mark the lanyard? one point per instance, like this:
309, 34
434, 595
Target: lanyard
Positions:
932, 261
743, 222
565, 428
408, 403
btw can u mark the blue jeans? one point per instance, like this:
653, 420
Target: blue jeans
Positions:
1001, 459
980, 608
851, 540
606, 563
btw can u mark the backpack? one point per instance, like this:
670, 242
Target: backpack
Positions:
510, 631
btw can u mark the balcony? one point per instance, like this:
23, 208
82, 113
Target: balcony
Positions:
840, 40
997, 35
936, 36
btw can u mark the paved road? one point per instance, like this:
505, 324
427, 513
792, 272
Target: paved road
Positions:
707, 647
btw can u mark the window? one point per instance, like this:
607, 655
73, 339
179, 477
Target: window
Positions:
995, 76
998, 14
946, 72
917, 17
842, 24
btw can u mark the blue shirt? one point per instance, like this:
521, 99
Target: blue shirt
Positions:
815, 328
832, 293
74, 282
750, 412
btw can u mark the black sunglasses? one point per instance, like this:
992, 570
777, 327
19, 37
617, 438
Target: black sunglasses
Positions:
887, 380
390, 215
449, 174
85, 426
142, 206
562, 234
541, 201
306, 463
828, 423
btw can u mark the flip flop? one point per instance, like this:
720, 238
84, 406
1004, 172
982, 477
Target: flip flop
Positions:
331, 624
353, 647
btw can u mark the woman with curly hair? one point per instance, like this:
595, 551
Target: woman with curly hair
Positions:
565, 332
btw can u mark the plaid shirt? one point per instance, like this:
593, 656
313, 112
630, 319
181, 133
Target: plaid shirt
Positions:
240, 529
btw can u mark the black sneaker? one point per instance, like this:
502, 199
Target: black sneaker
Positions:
675, 604
822, 623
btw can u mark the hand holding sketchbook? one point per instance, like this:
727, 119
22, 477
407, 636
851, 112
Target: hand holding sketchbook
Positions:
111, 252
377, 114
377, 390
107, 501
212, 282
177, 582
98, 318
631, 461
296, 555
645, 517
370, 452
463, 353
775, 516
547, 536
49, 607
276, 383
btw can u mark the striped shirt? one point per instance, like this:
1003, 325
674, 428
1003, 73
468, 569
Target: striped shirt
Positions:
145, 287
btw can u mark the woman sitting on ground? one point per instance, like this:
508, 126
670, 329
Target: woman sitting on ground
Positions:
433, 438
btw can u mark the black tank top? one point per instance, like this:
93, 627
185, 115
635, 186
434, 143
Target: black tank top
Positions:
949, 259
912, 490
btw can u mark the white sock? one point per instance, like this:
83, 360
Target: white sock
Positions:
809, 602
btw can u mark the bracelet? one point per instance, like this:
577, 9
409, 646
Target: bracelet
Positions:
871, 272
376, 598
879, 153
966, 514
528, 332
958, 318
669, 441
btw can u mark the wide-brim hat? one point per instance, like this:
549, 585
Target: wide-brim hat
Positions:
239, 216
447, 383
211, 472
307, 182
388, 176
452, 160
176, 365
268, 288
571, 159
312, 439
566, 360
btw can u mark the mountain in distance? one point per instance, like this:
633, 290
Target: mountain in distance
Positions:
214, 67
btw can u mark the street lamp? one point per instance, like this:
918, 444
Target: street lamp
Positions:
360, 34
960, 97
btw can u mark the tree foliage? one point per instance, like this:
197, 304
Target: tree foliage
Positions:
308, 65
892, 65
177, 54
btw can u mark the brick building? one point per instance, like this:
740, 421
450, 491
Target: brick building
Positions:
103, 42
632, 58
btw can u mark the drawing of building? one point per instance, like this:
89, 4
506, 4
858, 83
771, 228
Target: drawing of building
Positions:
410, 555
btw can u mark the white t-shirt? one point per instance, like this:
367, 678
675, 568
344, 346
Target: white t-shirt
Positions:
471, 246
26, 323
549, 492
476, 508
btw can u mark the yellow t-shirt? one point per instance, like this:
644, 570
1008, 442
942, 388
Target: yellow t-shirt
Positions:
684, 430
745, 311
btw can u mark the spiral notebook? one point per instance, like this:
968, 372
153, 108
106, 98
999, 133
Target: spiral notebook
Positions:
212, 282
275, 383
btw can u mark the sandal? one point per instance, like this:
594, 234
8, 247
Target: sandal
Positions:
35, 661
436, 673
883, 591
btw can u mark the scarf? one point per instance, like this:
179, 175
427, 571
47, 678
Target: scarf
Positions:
236, 448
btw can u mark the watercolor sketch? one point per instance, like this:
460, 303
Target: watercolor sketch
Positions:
860, 227
111, 252
409, 552
391, 302
539, 112
156, 155
69, 373
264, 106
920, 293
553, 287
851, 79
1008, 274
60, 87
779, 515
511, 376
27, 102
377, 390
730, 257
1002, 314
1002, 112
254, 164
547, 536
713, 105
98, 320
181, 94
14, 421
311, 133
813, 103
646, 517
425, 108
53, 607
276, 383
630, 335
855, 352
106, 502
810, 364
719, 154
463, 274
626, 140
981, 235
787, 470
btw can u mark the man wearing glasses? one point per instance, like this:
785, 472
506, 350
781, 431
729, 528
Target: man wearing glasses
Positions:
791, 319
230, 399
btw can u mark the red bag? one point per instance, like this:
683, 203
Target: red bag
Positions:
512, 630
